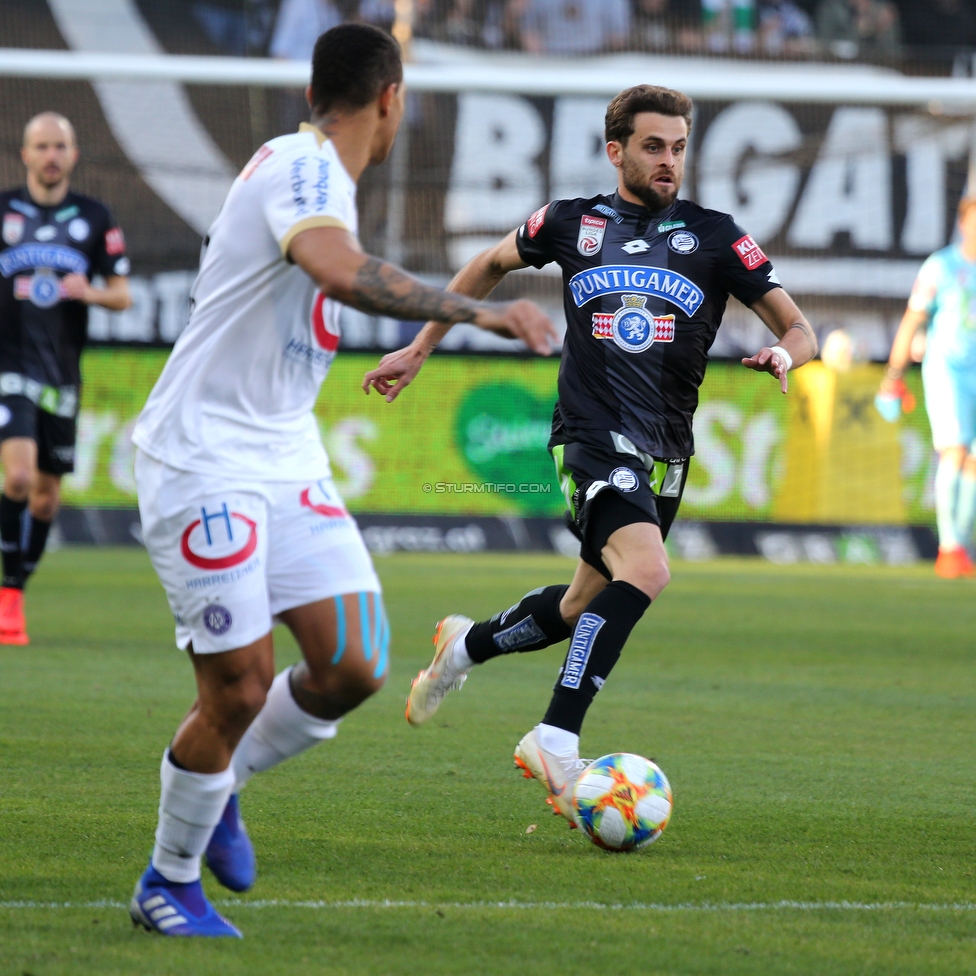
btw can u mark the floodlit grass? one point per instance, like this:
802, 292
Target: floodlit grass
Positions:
817, 726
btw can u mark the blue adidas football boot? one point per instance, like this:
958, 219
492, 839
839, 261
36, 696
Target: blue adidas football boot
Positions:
230, 854
163, 906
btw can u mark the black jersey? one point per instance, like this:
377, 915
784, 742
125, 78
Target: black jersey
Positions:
41, 332
644, 295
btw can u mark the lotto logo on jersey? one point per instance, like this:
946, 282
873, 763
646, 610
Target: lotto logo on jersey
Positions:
591, 232
114, 241
534, 222
219, 539
632, 327
750, 253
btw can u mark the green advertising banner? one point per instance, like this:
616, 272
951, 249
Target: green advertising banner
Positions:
469, 436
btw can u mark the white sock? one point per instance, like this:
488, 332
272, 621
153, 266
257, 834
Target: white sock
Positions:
947, 478
459, 653
557, 741
190, 806
966, 508
280, 731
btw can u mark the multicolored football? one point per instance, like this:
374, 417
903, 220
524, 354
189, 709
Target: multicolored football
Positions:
622, 802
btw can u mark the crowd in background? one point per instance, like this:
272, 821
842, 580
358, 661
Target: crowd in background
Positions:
876, 30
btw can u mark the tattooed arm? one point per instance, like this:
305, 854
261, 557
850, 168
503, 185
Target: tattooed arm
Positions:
333, 258
396, 370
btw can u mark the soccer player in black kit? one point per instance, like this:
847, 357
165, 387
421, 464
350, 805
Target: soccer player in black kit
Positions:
646, 280
52, 242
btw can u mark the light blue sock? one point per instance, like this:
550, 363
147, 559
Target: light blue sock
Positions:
947, 478
966, 508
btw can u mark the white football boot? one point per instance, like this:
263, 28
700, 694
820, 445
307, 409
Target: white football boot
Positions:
558, 774
444, 674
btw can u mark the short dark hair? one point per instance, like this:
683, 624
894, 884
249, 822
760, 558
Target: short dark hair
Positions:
619, 123
351, 65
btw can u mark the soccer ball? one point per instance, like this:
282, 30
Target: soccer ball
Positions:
622, 802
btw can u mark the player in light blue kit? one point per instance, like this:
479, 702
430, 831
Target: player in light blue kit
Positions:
943, 299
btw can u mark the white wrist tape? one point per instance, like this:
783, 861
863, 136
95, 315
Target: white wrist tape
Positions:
787, 358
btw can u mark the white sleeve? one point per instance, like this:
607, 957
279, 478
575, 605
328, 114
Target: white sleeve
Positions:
307, 190
926, 287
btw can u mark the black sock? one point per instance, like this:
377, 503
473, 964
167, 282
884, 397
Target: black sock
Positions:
533, 623
601, 632
36, 541
10, 532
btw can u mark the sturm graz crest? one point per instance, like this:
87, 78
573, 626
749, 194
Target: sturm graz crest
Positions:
633, 326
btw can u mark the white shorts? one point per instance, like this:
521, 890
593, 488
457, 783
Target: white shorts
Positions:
950, 402
231, 554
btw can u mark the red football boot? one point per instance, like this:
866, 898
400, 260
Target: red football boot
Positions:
13, 626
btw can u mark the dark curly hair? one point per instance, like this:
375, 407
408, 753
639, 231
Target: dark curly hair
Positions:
619, 123
351, 65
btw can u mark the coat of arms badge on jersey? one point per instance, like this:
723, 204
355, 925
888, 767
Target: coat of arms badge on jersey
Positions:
13, 228
632, 327
591, 232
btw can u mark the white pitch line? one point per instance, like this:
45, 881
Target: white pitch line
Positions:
772, 906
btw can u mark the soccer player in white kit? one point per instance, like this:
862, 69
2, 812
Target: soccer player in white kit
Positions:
239, 512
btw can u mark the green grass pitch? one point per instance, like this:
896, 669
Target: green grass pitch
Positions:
817, 725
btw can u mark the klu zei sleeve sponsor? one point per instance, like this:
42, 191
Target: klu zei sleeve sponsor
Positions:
743, 269
109, 258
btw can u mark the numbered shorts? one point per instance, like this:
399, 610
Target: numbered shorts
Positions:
606, 489
232, 555
54, 436
950, 402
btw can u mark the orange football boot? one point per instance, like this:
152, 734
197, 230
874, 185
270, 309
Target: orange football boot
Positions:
954, 563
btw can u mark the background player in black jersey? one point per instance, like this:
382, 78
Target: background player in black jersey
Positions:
646, 280
53, 242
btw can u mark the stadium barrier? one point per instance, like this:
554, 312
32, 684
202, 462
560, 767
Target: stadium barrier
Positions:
459, 461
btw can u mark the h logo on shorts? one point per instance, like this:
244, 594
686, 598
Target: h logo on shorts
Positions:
207, 518
199, 534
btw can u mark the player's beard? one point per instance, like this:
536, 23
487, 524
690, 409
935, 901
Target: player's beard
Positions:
51, 176
639, 184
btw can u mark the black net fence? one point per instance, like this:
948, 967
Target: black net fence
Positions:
847, 198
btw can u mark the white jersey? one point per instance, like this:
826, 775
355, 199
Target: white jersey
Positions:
236, 396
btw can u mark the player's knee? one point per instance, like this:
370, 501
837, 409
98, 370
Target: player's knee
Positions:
243, 708
45, 506
17, 483
649, 577
351, 682
240, 702
359, 682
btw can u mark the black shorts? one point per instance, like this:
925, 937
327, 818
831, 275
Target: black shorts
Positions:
54, 436
607, 489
